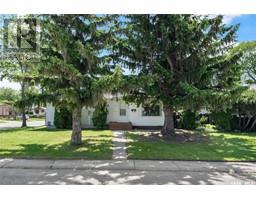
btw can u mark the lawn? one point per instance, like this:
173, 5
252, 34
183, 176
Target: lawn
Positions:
2, 120
33, 119
216, 146
46, 143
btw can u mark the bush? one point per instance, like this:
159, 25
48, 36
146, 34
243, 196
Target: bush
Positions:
63, 118
203, 119
222, 120
188, 120
99, 117
234, 123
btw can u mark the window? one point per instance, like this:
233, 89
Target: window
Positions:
151, 111
122, 112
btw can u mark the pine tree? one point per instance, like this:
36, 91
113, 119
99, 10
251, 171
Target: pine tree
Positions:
76, 68
179, 60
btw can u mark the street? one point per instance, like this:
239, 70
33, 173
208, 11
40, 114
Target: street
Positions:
17, 124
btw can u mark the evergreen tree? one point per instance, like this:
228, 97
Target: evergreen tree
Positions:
76, 66
247, 60
179, 60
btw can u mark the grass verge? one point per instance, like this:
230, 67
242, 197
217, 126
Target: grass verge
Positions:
45, 143
213, 146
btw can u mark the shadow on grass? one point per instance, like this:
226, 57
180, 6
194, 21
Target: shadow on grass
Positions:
218, 147
49, 130
98, 146
90, 149
12, 130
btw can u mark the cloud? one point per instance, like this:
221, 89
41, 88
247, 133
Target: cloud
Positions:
228, 18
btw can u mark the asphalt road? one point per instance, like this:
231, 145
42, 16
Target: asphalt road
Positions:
17, 124
96, 177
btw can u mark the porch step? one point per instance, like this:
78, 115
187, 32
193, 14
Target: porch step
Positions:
120, 125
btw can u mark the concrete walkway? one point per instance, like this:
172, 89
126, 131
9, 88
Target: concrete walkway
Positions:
151, 165
119, 149
22, 171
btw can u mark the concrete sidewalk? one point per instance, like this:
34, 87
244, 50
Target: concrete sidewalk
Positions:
119, 149
148, 165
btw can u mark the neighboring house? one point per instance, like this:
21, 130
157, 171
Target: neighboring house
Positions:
38, 111
5, 110
120, 112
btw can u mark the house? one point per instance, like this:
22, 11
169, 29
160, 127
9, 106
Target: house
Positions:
6, 110
120, 115
38, 111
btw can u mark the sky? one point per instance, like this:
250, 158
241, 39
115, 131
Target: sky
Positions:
246, 32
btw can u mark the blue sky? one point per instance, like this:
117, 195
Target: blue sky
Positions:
246, 32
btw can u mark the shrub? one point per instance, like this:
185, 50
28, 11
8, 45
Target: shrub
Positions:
63, 118
222, 120
188, 120
99, 117
203, 119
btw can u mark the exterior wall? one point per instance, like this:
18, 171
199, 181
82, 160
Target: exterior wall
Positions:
49, 115
5, 110
133, 115
86, 119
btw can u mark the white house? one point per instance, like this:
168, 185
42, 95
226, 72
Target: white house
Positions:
119, 111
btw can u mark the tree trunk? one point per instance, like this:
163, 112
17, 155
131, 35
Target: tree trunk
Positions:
168, 127
76, 137
23, 106
253, 124
243, 122
239, 123
248, 122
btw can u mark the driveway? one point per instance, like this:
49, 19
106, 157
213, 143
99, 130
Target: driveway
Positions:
17, 124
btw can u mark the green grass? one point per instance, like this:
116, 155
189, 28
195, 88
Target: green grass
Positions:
218, 147
3, 120
32, 119
44, 143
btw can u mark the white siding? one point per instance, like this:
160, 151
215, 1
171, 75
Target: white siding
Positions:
49, 115
135, 116
86, 119
138, 120
114, 111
